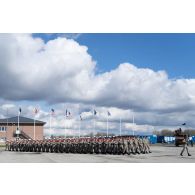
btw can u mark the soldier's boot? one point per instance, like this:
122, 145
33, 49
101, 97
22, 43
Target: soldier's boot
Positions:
133, 152
144, 151
91, 151
61, 150
138, 152
96, 151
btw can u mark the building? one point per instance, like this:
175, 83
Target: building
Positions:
28, 128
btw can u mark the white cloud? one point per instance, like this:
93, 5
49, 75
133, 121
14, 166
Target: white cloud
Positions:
7, 106
32, 70
62, 70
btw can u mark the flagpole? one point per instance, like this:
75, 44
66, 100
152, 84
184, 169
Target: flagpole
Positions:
94, 126
18, 125
133, 123
79, 128
79, 121
7, 124
65, 127
65, 121
50, 125
73, 130
94, 114
18, 120
34, 127
120, 126
107, 126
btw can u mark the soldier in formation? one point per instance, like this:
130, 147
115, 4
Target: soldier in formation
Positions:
98, 145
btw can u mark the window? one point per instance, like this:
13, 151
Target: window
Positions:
3, 128
2, 139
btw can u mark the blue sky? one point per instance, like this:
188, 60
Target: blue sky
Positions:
174, 53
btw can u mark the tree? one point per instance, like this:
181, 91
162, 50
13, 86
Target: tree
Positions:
155, 132
164, 132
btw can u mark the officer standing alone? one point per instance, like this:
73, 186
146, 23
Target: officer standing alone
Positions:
185, 146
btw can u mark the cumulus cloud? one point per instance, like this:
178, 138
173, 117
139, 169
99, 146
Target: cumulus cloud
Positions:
61, 70
33, 70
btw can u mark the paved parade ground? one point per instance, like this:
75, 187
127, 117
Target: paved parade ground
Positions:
160, 154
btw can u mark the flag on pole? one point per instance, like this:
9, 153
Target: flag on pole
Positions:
68, 114
52, 112
109, 114
36, 110
20, 110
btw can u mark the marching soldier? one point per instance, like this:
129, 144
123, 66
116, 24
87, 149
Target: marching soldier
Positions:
136, 145
146, 145
125, 147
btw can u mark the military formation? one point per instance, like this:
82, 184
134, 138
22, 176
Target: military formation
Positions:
98, 145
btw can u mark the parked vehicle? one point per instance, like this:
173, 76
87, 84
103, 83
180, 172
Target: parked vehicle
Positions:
179, 137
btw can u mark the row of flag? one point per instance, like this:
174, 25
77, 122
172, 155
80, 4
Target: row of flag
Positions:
95, 113
108, 113
67, 112
36, 110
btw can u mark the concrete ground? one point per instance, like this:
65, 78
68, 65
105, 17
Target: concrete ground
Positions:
160, 154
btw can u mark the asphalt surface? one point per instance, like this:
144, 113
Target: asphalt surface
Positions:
160, 154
